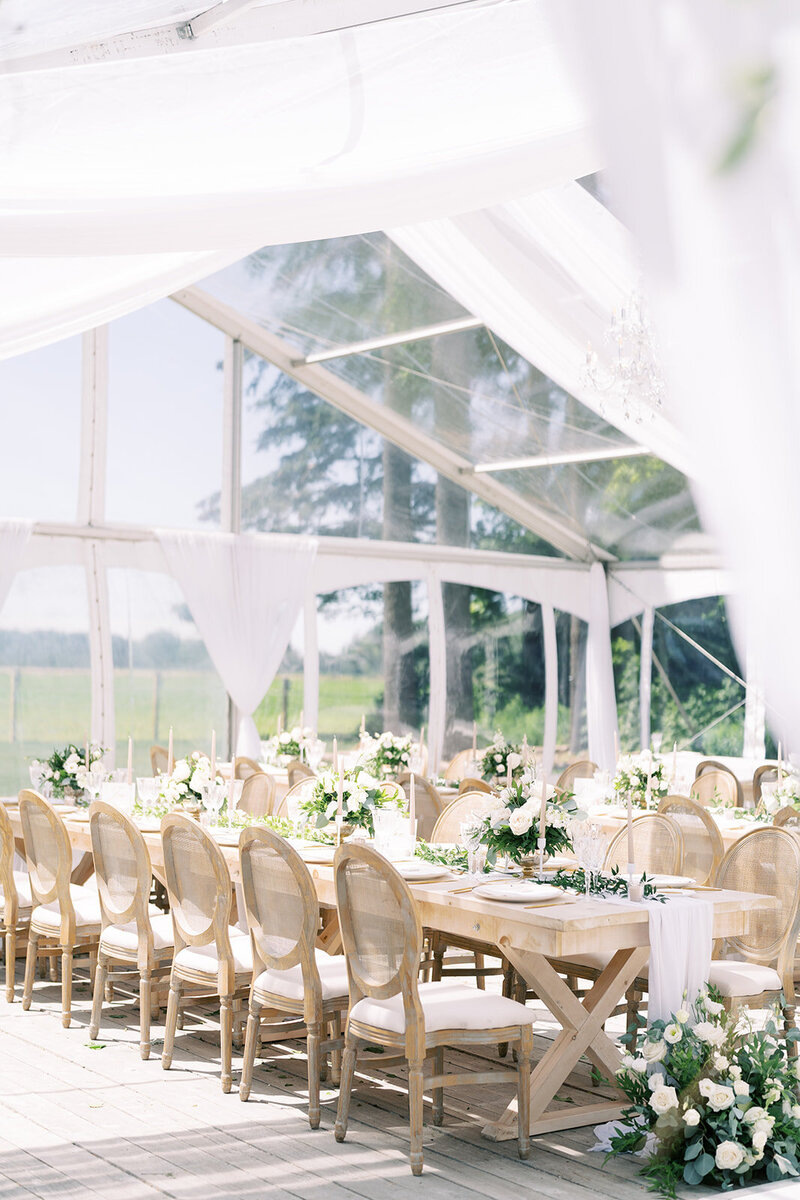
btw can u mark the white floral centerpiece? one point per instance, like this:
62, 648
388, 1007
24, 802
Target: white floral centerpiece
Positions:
712, 1099
67, 770
387, 754
498, 757
291, 743
362, 793
189, 777
511, 827
632, 775
786, 795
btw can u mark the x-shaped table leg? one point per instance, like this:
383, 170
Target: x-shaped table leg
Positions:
581, 1033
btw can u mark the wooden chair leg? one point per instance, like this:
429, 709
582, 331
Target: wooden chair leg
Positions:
248, 1060
336, 1055
145, 986
52, 964
11, 963
66, 986
524, 1052
30, 969
175, 990
790, 1022
480, 980
415, 1099
438, 959
312, 1050
634, 1000
345, 1087
97, 997
226, 1040
508, 988
438, 1092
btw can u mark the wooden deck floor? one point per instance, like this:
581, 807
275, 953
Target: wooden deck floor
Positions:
88, 1123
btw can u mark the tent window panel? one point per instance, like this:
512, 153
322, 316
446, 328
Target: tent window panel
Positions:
40, 395
45, 679
495, 667
284, 699
163, 676
571, 732
626, 646
165, 404
695, 702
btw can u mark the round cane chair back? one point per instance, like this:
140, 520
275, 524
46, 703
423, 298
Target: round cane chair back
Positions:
475, 785
460, 763
657, 846
258, 795
734, 787
427, 801
703, 847
7, 848
280, 901
301, 791
766, 773
198, 885
159, 759
297, 770
765, 861
584, 769
244, 767
787, 818
448, 826
381, 930
47, 850
716, 787
122, 868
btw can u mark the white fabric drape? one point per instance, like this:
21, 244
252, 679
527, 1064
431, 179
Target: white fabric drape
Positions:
601, 702
14, 538
680, 953
244, 593
710, 189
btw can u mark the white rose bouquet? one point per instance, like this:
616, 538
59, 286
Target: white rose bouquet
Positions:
717, 1098
632, 774
786, 795
512, 826
66, 770
189, 777
291, 744
386, 755
496, 759
362, 793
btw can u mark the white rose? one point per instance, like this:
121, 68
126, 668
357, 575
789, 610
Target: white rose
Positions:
181, 771
796, 1111
759, 1139
663, 1099
720, 1062
755, 1114
627, 1061
706, 1087
691, 1116
673, 1034
713, 1035
729, 1156
654, 1052
656, 1081
735, 1071
772, 1096
681, 1016
741, 1088
711, 1006
513, 760
500, 816
640, 1065
721, 1098
764, 1124
520, 821
72, 763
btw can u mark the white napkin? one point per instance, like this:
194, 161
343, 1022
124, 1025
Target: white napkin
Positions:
680, 953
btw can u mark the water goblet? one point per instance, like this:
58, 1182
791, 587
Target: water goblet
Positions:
36, 772
148, 789
95, 778
213, 799
315, 748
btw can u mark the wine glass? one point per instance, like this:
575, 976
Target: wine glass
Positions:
147, 788
213, 799
36, 772
95, 778
590, 848
315, 748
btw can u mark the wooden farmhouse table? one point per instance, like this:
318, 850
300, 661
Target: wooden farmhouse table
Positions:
528, 937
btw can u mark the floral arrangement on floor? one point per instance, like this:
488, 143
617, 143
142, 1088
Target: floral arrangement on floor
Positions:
511, 827
631, 777
292, 742
189, 776
67, 770
362, 793
498, 756
386, 755
715, 1100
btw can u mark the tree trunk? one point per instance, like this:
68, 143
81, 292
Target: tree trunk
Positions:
400, 710
452, 529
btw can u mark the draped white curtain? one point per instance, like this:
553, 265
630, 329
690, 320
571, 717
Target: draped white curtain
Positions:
601, 702
244, 593
705, 166
14, 538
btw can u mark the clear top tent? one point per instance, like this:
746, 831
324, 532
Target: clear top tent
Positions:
299, 313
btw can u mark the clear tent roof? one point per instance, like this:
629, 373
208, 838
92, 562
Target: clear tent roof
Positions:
465, 390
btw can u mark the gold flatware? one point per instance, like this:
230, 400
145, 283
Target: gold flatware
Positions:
460, 891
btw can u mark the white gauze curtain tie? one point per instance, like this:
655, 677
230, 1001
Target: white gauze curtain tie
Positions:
244, 593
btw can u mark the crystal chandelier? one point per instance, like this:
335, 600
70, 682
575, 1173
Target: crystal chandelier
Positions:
631, 370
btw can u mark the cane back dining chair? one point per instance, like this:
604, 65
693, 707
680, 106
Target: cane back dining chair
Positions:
787, 817
382, 938
212, 957
657, 846
703, 847
258, 795
429, 804
460, 762
766, 773
297, 770
65, 918
468, 784
17, 900
244, 767
132, 938
584, 769
717, 786
290, 975
296, 795
453, 815
159, 759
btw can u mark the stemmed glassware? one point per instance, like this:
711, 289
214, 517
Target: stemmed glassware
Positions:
95, 778
148, 788
476, 851
314, 748
213, 799
589, 842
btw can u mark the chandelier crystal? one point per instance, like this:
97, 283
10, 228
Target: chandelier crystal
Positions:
631, 370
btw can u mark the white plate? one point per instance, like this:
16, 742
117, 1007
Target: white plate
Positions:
671, 881
524, 892
418, 871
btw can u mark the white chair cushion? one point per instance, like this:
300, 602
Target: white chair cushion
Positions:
332, 973
124, 938
87, 911
204, 958
596, 960
23, 887
735, 978
446, 1006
